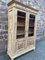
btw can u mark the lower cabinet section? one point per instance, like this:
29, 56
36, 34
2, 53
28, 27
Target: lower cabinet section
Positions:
30, 42
24, 45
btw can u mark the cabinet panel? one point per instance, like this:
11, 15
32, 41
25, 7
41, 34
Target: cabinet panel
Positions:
30, 42
20, 45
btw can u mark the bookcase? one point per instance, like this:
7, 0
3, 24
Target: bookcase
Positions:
22, 21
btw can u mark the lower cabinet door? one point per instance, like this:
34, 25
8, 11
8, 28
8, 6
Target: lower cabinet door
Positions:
20, 45
30, 42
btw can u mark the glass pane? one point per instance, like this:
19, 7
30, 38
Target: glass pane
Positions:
31, 25
21, 24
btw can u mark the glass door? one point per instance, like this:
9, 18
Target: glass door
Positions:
31, 25
21, 16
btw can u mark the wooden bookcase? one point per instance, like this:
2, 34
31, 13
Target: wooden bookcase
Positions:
22, 23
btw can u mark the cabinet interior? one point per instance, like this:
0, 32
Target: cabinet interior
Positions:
21, 16
31, 25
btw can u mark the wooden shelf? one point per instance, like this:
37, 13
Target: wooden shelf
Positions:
20, 34
20, 26
21, 17
30, 32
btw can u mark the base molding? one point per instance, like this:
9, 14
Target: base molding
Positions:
21, 53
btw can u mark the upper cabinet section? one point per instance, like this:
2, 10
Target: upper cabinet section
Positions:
16, 4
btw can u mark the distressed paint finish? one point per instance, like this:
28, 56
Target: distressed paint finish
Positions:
17, 47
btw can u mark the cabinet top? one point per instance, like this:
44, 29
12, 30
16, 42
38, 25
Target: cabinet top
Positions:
21, 4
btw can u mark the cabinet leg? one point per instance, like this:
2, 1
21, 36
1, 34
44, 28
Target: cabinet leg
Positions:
12, 58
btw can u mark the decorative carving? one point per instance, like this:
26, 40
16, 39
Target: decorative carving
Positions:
21, 44
30, 42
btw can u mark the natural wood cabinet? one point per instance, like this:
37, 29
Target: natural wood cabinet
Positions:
21, 28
